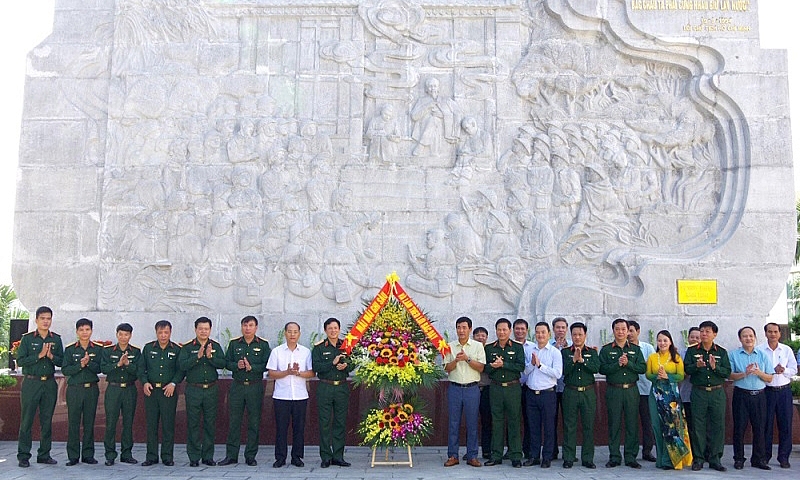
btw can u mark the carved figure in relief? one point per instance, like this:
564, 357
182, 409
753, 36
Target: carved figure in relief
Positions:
501, 241
341, 276
300, 263
384, 136
316, 143
243, 147
536, 239
462, 239
472, 148
185, 246
434, 272
541, 178
243, 196
435, 122
566, 190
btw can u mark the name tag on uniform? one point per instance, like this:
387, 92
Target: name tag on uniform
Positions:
170, 354
256, 349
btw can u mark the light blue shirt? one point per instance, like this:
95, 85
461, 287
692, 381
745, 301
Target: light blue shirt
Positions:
550, 369
739, 362
643, 384
523, 377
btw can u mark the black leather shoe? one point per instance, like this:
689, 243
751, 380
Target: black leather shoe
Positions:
697, 466
590, 465
109, 463
72, 462
785, 464
148, 463
531, 462
762, 466
665, 467
227, 461
297, 462
279, 463
649, 457
545, 463
90, 461
194, 463
612, 464
46, 461
251, 462
340, 463
492, 463
325, 464
131, 461
633, 464
210, 463
24, 463
567, 464
718, 467
516, 463
738, 465
487, 456
169, 463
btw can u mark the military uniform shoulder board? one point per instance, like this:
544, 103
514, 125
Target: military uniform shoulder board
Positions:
75, 343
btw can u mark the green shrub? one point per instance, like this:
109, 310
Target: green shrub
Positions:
7, 381
795, 385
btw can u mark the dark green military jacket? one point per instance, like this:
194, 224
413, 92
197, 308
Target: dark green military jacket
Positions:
513, 361
257, 353
159, 366
578, 374
72, 363
705, 376
616, 374
125, 374
322, 361
201, 370
30, 345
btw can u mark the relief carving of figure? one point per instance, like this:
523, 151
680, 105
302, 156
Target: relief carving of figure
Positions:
243, 147
341, 275
473, 147
541, 177
384, 136
435, 122
300, 263
434, 272
536, 239
462, 239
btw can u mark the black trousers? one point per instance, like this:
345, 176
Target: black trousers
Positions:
749, 407
486, 422
648, 437
286, 410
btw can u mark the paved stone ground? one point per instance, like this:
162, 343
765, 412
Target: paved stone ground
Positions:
427, 466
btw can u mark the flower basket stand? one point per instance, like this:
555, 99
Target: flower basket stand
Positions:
386, 461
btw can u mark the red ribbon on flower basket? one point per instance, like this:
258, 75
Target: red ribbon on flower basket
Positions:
392, 288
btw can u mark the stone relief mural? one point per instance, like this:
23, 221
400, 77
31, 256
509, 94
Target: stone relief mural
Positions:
519, 148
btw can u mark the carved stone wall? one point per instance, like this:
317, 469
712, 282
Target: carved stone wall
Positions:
508, 158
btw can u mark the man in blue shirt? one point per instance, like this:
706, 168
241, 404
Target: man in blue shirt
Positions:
751, 370
543, 368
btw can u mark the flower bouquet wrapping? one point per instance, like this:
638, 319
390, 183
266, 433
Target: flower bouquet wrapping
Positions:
397, 424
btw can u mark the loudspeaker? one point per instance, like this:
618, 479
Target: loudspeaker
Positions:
16, 330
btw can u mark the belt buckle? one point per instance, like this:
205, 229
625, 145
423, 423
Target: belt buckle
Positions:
157, 385
537, 392
504, 384
205, 386
87, 385
626, 386
708, 389
246, 383
123, 385
43, 378
581, 389
336, 382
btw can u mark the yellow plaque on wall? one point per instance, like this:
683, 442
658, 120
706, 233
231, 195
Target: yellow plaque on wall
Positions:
697, 291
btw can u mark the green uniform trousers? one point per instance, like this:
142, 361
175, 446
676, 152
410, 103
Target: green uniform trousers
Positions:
506, 405
119, 400
332, 404
81, 410
201, 402
36, 395
160, 409
583, 404
708, 424
623, 404
243, 397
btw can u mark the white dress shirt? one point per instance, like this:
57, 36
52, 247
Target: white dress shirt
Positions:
781, 355
643, 384
550, 369
290, 387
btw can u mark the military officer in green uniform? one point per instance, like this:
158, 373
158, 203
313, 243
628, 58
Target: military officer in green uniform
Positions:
708, 366
200, 358
622, 362
39, 353
505, 361
332, 365
81, 366
580, 364
120, 363
160, 375
247, 358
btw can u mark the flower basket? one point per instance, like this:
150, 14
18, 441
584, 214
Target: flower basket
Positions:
395, 425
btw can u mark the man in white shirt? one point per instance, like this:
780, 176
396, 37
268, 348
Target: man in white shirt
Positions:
543, 368
779, 394
643, 384
290, 366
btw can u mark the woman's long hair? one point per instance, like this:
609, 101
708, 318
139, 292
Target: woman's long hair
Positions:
673, 352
